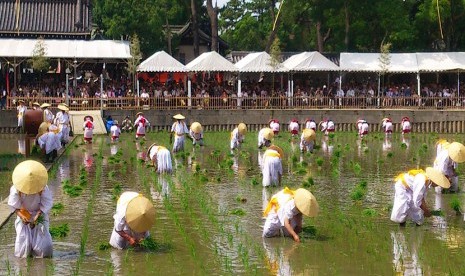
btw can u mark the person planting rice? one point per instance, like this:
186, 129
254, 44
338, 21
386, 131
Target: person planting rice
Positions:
196, 133
310, 124
134, 216
62, 121
126, 124
327, 126
405, 125
446, 162
272, 169
410, 194
178, 129
387, 125
140, 124
284, 213
294, 127
362, 127
274, 125
31, 200
49, 142
115, 131
265, 135
238, 136
88, 129
161, 157
307, 140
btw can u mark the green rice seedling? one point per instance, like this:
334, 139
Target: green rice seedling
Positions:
357, 194
403, 145
116, 191
335, 172
362, 184
241, 199
237, 212
254, 181
389, 154
301, 171
456, 205
319, 161
294, 159
337, 153
357, 168
437, 213
369, 212
73, 190
309, 232
331, 135
347, 147
309, 182
316, 147
304, 163
111, 174
57, 208
60, 231
149, 244
366, 149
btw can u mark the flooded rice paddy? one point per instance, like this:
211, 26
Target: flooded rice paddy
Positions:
209, 212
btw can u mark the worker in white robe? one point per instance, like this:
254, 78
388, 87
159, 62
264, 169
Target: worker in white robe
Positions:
327, 126
31, 199
133, 218
310, 124
88, 129
115, 131
274, 125
362, 127
272, 169
387, 125
161, 158
446, 162
410, 194
50, 143
140, 124
265, 135
284, 213
21, 108
62, 120
405, 125
178, 130
196, 133
238, 136
48, 114
307, 140
294, 127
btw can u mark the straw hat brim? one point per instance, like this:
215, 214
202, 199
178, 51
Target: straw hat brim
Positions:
140, 214
36, 104
179, 117
20, 101
437, 177
268, 134
139, 113
242, 128
456, 152
309, 134
196, 127
29, 177
62, 107
278, 149
306, 202
44, 105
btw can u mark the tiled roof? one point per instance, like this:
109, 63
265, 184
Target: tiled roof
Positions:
45, 17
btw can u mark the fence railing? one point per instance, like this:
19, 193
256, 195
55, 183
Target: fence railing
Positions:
162, 103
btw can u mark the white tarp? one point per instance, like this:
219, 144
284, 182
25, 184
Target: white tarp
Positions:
161, 62
210, 62
309, 61
55, 48
438, 62
370, 62
258, 63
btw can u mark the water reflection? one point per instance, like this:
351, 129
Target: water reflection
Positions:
63, 169
406, 141
116, 260
163, 188
326, 146
439, 223
387, 143
260, 159
406, 259
88, 158
113, 149
141, 154
277, 257
22, 145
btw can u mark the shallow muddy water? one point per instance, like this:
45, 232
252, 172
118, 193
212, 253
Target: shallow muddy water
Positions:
209, 212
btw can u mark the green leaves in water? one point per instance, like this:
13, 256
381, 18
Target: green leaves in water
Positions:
116, 191
254, 181
455, 204
103, 246
241, 199
319, 161
308, 183
60, 231
403, 145
57, 208
369, 212
71, 190
390, 154
357, 168
149, 244
237, 212
437, 213
360, 191
309, 232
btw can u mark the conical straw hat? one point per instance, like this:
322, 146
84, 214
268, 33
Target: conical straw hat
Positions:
456, 152
63, 107
306, 202
309, 134
278, 149
196, 127
139, 113
140, 214
179, 117
437, 177
242, 128
268, 134
44, 105
30, 177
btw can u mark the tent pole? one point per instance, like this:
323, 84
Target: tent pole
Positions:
189, 92
239, 90
379, 90
458, 84
418, 84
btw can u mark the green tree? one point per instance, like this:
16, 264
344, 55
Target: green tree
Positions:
39, 60
136, 57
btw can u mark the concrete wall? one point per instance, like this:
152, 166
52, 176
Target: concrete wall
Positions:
442, 121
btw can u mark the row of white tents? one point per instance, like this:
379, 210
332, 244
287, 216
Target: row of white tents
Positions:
261, 62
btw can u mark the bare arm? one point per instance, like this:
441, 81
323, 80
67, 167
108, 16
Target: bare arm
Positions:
290, 230
127, 237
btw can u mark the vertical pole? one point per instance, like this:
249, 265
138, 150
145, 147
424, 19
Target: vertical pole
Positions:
379, 89
101, 91
189, 92
418, 83
67, 89
239, 91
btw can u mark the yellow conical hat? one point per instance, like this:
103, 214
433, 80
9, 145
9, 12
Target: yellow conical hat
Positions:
456, 152
309, 134
140, 214
268, 133
30, 177
242, 128
196, 127
306, 202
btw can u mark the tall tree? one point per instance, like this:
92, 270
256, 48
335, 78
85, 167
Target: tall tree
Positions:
213, 14
195, 28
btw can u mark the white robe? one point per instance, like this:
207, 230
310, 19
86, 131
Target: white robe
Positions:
407, 201
36, 242
274, 126
62, 120
141, 125
115, 131
49, 141
88, 131
274, 223
310, 125
272, 168
406, 126
120, 223
21, 111
179, 129
447, 166
388, 127
197, 138
48, 116
306, 146
261, 139
236, 139
163, 157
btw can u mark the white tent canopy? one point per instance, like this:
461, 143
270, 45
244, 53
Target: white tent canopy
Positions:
309, 61
370, 62
210, 62
258, 63
438, 62
82, 49
161, 62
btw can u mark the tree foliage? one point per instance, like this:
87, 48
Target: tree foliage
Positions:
39, 61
